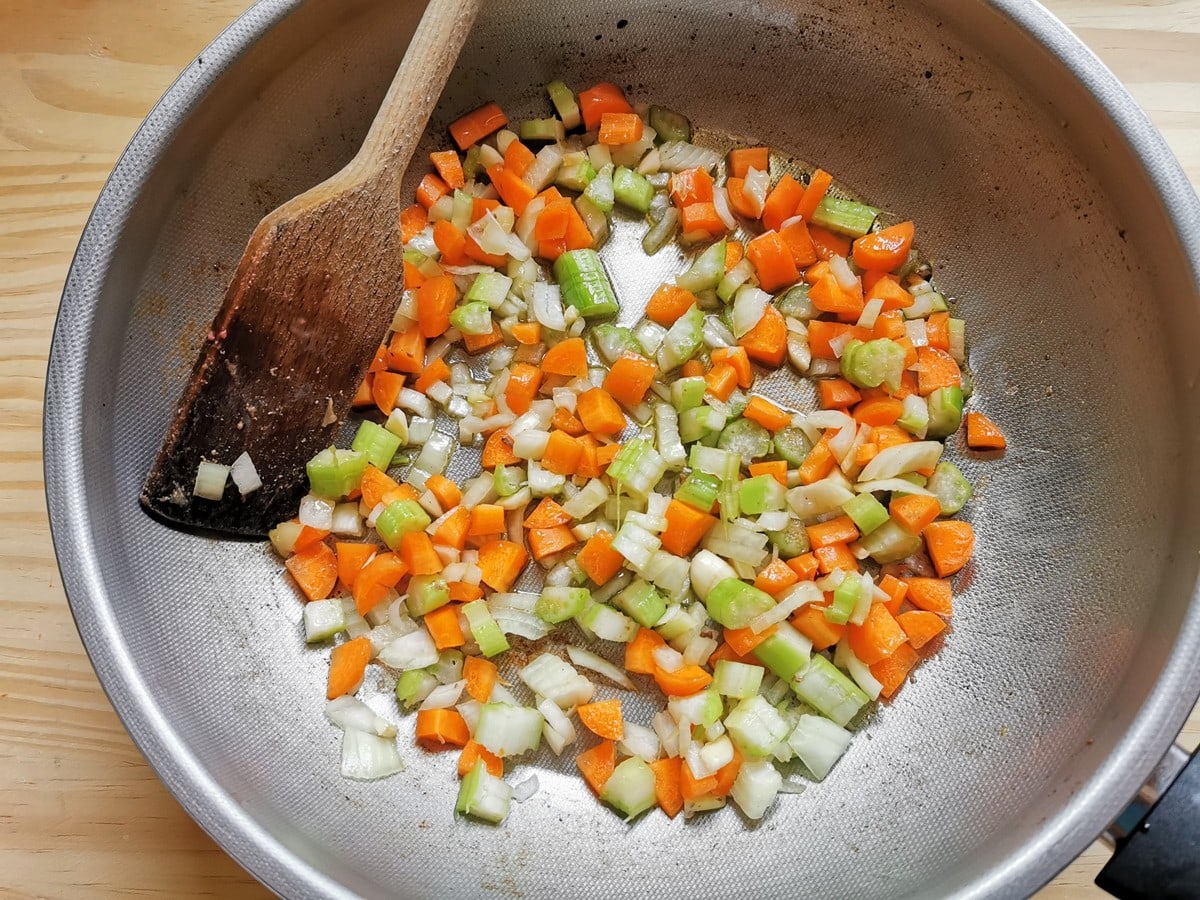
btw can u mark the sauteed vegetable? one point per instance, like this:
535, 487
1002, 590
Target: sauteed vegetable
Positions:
765, 570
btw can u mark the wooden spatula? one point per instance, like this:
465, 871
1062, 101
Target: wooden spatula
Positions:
307, 308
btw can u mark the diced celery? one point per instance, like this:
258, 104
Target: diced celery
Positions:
507, 480
641, 602
508, 730
737, 680
746, 438
697, 423
564, 103
632, 190
662, 231
925, 304
790, 541
756, 787
915, 417
785, 652
471, 163
489, 287
400, 518
688, 393
323, 619
549, 129
426, 593
825, 688
725, 464
608, 624
584, 283
819, 743
599, 190
483, 795
945, 411
845, 598
669, 125
792, 445
630, 788
866, 512
706, 270
637, 467
334, 473
683, 339
576, 172
413, 686
703, 708
794, 303
613, 340
699, 490
761, 494
756, 728
734, 279
376, 443
557, 604
484, 630
951, 488
876, 362
733, 603
473, 318
844, 216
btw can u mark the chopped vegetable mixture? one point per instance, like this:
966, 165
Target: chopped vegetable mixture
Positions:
768, 571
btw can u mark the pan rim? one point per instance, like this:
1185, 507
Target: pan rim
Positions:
1054, 844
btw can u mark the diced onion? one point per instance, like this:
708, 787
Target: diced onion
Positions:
210, 480
589, 660
901, 459
245, 475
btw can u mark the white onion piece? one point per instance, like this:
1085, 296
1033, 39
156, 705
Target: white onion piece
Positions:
444, 696
667, 659
547, 306
599, 664
210, 480
844, 658
803, 593
316, 512
843, 274
348, 712
917, 333
366, 757
902, 458
244, 475
756, 188
870, 313
526, 789
639, 741
838, 344
891, 484
721, 205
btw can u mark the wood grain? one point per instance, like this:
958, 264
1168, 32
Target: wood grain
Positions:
81, 814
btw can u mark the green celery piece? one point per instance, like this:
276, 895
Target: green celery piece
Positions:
791, 541
507, 480
785, 652
632, 190
630, 788
706, 270
471, 163
696, 423
563, 99
756, 728
400, 518
747, 438
950, 487
489, 287
487, 633
600, 189
642, 603
473, 318
669, 125
874, 363
945, 411
376, 443
613, 340
557, 604
699, 491
792, 445
825, 688
426, 593
661, 231
866, 512
576, 172
683, 339
845, 598
584, 283
890, 542
733, 603
761, 494
334, 473
844, 216
794, 303
413, 686
688, 393
625, 464
549, 129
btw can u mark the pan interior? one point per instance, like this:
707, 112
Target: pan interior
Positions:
1079, 307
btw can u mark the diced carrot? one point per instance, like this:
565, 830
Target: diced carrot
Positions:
487, 519
950, 544
588, 466
449, 167
597, 765
413, 220
599, 99
739, 201
701, 217
451, 242
936, 369
691, 787
363, 395
501, 563
473, 753
434, 372
799, 244
835, 556
884, 250
983, 433
667, 304
598, 560
475, 343
865, 453
435, 302
603, 718
743, 159
447, 493
406, 351
722, 381
619, 128
431, 190
878, 637
827, 244
683, 682
776, 578
453, 530
885, 436
606, 454
545, 542
567, 357
743, 640
562, 453
772, 259
667, 790
462, 592
889, 290
380, 362
878, 411
497, 451
385, 390
315, 569
829, 296
930, 594
444, 628
347, 663
811, 622
639, 653
734, 251
413, 278
892, 671
889, 324
522, 388
782, 202
552, 249
804, 565
739, 359
821, 333
379, 487
691, 186
419, 555
547, 514
818, 185
937, 331
819, 463
578, 236
727, 652
727, 775
480, 675
441, 729
841, 530
896, 590
686, 528
477, 124
914, 511
776, 468
512, 189
480, 206
599, 412
628, 379
351, 557
921, 626
766, 342
517, 160
837, 393
527, 333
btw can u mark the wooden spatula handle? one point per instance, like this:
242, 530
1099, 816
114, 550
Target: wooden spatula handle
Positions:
417, 86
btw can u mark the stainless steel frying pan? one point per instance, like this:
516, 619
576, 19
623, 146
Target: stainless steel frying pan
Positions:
1053, 212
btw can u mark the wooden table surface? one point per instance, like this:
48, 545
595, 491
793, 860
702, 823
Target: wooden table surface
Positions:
81, 814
